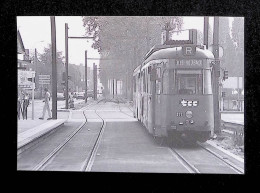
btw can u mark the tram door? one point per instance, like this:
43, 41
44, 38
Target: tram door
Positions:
154, 96
151, 103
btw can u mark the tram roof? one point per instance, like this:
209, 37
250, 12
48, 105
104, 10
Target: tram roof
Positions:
166, 52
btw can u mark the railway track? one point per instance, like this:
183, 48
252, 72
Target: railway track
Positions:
51, 155
191, 168
223, 159
89, 159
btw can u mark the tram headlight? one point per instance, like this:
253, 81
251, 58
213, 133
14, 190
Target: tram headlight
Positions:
189, 114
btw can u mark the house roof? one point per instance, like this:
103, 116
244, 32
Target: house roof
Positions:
20, 46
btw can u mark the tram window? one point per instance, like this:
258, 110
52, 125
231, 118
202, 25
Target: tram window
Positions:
207, 82
134, 82
189, 82
144, 85
168, 82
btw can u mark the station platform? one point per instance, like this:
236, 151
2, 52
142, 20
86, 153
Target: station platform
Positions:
31, 130
233, 117
39, 128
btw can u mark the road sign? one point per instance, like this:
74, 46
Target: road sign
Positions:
23, 79
44, 77
44, 81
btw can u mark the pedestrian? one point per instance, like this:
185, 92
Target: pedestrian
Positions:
71, 101
19, 104
46, 104
26, 102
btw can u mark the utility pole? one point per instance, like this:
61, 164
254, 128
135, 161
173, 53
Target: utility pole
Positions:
66, 67
36, 68
113, 90
216, 75
86, 77
54, 68
95, 81
116, 87
206, 32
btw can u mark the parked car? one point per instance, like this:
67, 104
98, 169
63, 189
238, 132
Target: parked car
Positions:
90, 93
80, 95
60, 96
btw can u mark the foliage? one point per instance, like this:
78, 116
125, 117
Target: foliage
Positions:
238, 38
45, 65
232, 41
123, 41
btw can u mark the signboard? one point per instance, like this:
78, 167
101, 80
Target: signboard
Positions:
189, 50
23, 79
44, 79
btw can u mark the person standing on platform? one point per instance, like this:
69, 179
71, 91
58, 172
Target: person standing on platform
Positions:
26, 103
46, 104
19, 104
71, 101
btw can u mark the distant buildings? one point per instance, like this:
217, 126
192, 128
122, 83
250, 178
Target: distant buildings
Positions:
232, 94
22, 54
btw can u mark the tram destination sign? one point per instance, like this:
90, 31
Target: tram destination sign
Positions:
188, 63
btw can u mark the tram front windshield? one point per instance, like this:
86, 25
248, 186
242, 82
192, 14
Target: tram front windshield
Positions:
187, 82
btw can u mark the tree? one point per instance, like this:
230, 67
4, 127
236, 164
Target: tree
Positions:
127, 40
225, 40
74, 73
45, 65
237, 32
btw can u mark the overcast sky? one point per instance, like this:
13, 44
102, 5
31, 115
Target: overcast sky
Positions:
36, 33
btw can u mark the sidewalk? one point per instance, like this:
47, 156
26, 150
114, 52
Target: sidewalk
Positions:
233, 117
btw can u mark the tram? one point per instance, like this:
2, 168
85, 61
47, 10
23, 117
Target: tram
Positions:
172, 90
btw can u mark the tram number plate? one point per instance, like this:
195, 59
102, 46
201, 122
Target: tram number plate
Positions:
188, 63
173, 127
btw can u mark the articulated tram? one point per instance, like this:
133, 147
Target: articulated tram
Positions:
173, 91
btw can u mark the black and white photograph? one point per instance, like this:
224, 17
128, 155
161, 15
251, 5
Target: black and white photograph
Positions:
131, 94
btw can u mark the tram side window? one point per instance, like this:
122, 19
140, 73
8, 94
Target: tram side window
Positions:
158, 82
134, 82
189, 82
168, 82
144, 85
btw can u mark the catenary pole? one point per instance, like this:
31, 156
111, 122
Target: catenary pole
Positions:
66, 66
86, 77
216, 75
54, 68
206, 32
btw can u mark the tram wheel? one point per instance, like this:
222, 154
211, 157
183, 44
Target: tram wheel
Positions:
159, 140
172, 138
203, 137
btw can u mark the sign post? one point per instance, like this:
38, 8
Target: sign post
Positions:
33, 100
